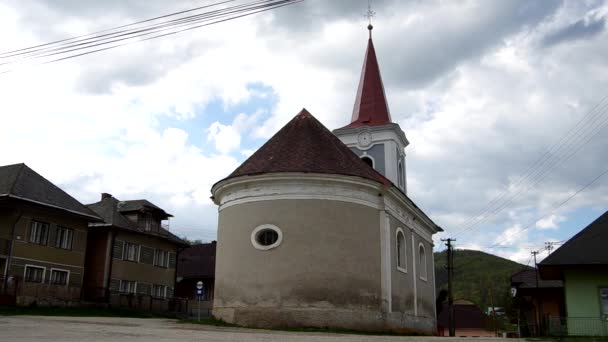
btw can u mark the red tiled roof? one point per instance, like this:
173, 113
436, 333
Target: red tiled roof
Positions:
305, 145
371, 107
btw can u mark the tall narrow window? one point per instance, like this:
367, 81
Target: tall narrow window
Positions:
64, 238
39, 233
131, 252
159, 291
400, 175
401, 251
422, 262
161, 258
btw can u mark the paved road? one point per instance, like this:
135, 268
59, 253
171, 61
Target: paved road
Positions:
94, 329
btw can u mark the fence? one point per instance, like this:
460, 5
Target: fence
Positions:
14, 291
577, 326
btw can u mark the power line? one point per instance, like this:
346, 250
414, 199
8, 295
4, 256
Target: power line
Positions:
558, 206
72, 46
585, 129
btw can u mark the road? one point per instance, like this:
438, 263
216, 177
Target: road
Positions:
104, 329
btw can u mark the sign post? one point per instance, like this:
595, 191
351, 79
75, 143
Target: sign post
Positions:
199, 294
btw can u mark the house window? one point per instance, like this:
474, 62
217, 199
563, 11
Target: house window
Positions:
422, 261
400, 175
34, 274
147, 222
159, 291
59, 277
161, 258
604, 302
266, 236
127, 286
64, 238
131, 252
401, 251
39, 233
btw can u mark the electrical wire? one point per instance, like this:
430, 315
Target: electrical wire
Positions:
72, 46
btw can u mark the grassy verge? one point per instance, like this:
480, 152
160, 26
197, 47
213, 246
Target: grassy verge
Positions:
73, 312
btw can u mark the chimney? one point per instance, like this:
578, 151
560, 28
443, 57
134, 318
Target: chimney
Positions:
105, 195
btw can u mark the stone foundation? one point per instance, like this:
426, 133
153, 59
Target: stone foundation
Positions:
371, 321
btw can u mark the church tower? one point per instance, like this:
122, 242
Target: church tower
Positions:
371, 134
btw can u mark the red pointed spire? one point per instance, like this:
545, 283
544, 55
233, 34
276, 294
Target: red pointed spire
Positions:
371, 108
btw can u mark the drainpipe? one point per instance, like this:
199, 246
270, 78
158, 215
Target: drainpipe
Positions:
9, 258
111, 256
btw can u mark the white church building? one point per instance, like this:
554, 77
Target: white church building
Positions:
316, 229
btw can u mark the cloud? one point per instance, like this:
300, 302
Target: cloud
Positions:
550, 222
477, 95
581, 29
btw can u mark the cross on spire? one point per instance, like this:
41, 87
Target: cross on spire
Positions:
369, 15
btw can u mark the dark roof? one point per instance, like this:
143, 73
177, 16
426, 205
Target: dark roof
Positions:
467, 316
20, 182
588, 247
527, 279
137, 205
371, 107
197, 261
109, 210
305, 145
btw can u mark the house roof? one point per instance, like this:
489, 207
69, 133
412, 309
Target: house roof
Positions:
141, 204
109, 209
197, 261
588, 247
371, 107
467, 316
305, 145
20, 182
527, 279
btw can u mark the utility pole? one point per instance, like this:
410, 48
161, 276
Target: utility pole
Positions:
549, 246
538, 300
450, 267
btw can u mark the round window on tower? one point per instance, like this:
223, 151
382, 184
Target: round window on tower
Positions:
266, 236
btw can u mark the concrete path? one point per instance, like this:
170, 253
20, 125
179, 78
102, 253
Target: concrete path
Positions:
101, 329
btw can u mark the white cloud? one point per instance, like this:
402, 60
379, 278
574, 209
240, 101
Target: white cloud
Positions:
550, 222
226, 138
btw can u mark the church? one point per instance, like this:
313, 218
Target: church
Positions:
316, 229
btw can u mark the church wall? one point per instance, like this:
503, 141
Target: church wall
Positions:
328, 260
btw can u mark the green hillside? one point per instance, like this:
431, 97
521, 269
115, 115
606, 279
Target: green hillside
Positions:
478, 277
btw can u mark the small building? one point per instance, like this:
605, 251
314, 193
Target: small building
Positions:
536, 299
469, 320
43, 239
316, 229
582, 264
130, 252
195, 264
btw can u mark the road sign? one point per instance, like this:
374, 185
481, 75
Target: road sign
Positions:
199, 285
199, 292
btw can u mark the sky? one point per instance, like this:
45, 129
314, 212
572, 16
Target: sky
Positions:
482, 89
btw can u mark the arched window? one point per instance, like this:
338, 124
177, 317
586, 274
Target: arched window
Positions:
400, 175
368, 161
422, 261
401, 251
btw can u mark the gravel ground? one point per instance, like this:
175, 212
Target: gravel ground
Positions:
102, 329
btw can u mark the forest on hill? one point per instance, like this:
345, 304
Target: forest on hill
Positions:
479, 277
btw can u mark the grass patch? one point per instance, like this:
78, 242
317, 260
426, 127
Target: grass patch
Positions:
73, 312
